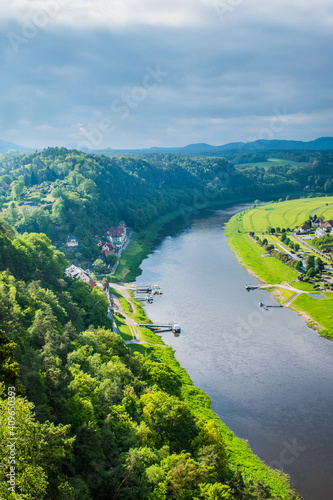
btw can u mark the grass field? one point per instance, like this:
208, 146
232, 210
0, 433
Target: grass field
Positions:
308, 287
321, 310
271, 270
285, 214
275, 162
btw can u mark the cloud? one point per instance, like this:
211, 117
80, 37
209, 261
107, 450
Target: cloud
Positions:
111, 14
223, 76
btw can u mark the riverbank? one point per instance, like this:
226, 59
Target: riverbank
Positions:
317, 312
240, 456
141, 241
239, 453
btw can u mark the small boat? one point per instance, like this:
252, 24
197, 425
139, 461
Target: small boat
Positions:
149, 298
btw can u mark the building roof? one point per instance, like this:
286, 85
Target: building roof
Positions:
78, 273
108, 244
71, 238
326, 223
116, 232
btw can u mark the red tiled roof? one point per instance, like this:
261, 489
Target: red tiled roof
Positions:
115, 231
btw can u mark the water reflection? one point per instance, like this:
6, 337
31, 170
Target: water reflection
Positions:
269, 376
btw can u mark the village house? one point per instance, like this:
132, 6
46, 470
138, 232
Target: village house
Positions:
320, 232
72, 241
107, 248
77, 273
327, 225
117, 235
80, 274
304, 229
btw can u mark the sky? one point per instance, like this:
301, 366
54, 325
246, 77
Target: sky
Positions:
143, 73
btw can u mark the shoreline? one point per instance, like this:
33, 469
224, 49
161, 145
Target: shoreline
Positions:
275, 292
143, 240
310, 321
240, 454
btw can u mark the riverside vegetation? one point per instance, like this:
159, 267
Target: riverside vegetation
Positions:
95, 419
284, 216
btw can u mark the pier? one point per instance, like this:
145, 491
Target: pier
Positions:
251, 287
261, 304
171, 327
153, 289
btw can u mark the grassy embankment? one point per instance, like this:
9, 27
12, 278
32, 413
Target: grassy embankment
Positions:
287, 214
240, 455
141, 241
273, 271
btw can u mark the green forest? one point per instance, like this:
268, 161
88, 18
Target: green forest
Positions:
92, 420
82, 194
82, 416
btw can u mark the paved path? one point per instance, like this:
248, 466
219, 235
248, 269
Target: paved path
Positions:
324, 206
131, 323
289, 287
310, 247
285, 287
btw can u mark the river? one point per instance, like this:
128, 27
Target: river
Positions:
269, 376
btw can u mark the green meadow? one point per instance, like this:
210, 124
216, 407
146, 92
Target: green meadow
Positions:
320, 310
287, 214
269, 269
276, 162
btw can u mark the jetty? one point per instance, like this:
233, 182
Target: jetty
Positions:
171, 327
153, 289
261, 304
251, 287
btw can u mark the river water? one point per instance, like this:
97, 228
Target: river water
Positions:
269, 376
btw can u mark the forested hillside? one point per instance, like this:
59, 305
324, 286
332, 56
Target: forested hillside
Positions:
82, 194
91, 419
94, 420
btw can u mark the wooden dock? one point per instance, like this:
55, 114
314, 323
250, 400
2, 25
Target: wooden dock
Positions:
171, 327
251, 287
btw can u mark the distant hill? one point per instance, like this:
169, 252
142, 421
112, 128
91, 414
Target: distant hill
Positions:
10, 146
322, 144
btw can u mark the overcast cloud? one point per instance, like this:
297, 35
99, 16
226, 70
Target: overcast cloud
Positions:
128, 74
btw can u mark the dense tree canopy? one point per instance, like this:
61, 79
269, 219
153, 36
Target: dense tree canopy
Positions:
92, 420
85, 194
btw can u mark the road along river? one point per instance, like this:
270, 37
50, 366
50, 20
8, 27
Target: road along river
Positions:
269, 376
